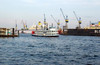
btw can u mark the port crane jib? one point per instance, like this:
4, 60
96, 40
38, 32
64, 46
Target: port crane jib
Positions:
58, 23
78, 19
66, 20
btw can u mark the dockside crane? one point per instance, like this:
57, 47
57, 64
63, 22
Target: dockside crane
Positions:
24, 25
58, 23
66, 20
44, 20
45, 23
15, 24
78, 19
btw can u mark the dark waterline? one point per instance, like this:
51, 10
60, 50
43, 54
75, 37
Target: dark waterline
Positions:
63, 50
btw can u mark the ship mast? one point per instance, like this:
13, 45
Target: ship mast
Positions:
78, 19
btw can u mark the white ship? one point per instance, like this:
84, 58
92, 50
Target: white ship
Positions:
51, 32
25, 31
45, 31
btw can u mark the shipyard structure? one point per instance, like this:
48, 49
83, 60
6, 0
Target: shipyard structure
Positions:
92, 30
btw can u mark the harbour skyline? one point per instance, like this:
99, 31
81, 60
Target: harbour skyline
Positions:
31, 12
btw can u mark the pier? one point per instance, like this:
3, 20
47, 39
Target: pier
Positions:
8, 32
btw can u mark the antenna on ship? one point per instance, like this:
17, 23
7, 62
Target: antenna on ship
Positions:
78, 19
58, 23
66, 20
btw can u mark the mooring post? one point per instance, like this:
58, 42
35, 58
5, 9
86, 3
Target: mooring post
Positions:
18, 32
13, 33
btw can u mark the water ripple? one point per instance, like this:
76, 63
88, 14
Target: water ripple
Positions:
63, 50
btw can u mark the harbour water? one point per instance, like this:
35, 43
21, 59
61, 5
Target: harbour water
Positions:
63, 50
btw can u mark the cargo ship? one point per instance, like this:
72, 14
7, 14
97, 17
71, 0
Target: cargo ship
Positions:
82, 32
92, 30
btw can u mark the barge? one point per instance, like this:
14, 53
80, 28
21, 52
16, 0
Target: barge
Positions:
82, 32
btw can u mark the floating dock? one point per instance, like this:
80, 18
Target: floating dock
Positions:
8, 32
82, 32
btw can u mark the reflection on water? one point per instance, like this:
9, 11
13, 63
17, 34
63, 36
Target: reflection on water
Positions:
63, 50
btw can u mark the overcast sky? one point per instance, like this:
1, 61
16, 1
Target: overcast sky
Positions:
32, 11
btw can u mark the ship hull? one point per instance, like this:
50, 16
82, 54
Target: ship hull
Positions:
45, 36
45, 33
82, 32
52, 32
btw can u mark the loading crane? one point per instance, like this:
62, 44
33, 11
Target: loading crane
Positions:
15, 24
24, 25
78, 19
58, 23
44, 20
45, 23
66, 19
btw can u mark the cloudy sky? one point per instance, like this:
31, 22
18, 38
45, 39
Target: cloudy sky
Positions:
32, 11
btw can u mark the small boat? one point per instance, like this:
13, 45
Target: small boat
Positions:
25, 31
51, 32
